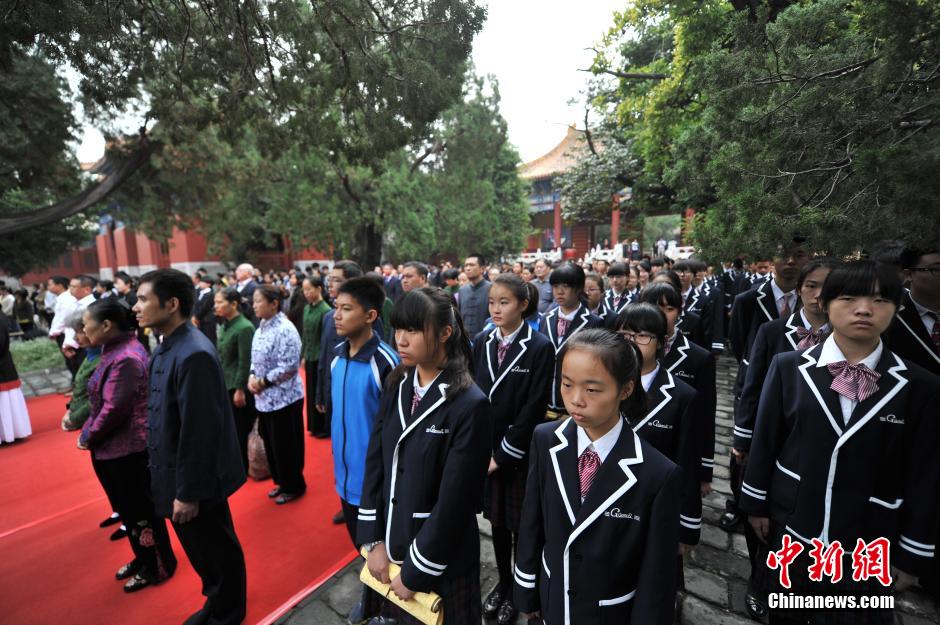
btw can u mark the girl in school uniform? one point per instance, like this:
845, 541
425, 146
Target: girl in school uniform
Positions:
594, 295
669, 423
599, 536
427, 462
801, 330
513, 367
695, 366
570, 316
844, 447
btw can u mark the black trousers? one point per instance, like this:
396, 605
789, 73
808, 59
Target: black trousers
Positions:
213, 549
72, 363
96, 465
127, 482
283, 434
317, 423
351, 518
756, 548
244, 421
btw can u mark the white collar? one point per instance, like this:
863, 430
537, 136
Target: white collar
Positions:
64, 295
647, 379
687, 292
568, 316
831, 353
604, 444
421, 390
806, 324
87, 301
507, 340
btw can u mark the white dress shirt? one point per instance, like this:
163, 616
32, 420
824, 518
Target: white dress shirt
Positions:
64, 305
647, 379
509, 338
779, 296
926, 315
832, 353
603, 445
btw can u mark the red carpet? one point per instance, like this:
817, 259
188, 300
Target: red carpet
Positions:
57, 566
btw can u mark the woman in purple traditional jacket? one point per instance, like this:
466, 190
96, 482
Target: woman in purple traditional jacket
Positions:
116, 433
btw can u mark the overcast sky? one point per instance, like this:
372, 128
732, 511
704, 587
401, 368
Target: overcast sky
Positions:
535, 49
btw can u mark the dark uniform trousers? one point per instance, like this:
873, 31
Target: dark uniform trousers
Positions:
212, 547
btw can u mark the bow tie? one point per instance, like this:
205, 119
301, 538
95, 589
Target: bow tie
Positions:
855, 382
809, 338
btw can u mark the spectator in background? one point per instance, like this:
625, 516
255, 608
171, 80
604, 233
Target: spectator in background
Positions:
6, 300
82, 289
23, 311
473, 298
279, 394
64, 306
492, 273
14, 417
48, 299
542, 272
104, 288
393, 286
234, 336
204, 308
414, 275
314, 312
451, 283
245, 285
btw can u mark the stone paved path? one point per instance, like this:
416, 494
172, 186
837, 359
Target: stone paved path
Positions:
45, 381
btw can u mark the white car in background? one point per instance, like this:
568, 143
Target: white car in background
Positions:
680, 252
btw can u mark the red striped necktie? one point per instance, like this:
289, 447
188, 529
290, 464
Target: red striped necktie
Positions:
588, 465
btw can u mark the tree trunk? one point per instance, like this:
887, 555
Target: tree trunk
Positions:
368, 252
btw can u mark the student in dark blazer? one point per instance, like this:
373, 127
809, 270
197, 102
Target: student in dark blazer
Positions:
195, 461
564, 321
617, 296
599, 532
804, 328
669, 424
696, 367
845, 443
594, 296
689, 322
427, 462
204, 309
915, 331
513, 366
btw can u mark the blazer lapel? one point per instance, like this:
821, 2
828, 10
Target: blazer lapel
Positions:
910, 321
431, 401
516, 350
678, 353
892, 380
659, 396
492, 349
819, 381
565, 465
551, 324
769, 307
790, 334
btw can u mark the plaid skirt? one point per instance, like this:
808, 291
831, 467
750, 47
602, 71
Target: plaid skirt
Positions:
461, 598
503, 495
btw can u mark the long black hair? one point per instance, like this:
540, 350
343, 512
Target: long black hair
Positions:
430, 310
622, 360
521, 290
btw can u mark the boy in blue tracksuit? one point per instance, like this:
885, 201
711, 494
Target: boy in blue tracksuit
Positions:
360, 364
357, 373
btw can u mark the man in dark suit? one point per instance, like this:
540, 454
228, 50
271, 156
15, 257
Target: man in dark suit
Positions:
204, 308
246, 286
393, 288
195, 461
915, 332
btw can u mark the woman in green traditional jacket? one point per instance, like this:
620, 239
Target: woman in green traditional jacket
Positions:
233, 340
314, 312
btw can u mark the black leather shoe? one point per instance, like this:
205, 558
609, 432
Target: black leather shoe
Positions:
339, 518
507, 613
111, 520
137, 583
274, 492
755, 607
729, 521
383, 620
128, 569
492, 602
284, 498
119, 533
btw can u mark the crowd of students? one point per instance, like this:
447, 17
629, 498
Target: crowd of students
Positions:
573, 405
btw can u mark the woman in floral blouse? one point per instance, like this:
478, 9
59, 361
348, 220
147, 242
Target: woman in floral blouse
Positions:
116, 433
279, 394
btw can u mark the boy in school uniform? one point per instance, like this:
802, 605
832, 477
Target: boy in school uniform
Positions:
356, 376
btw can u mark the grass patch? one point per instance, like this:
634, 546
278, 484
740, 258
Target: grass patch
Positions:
35, 355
